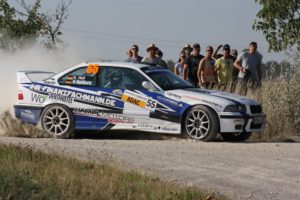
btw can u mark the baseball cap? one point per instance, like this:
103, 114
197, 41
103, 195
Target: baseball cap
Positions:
135, 47
188, 47
151, 46
226, 47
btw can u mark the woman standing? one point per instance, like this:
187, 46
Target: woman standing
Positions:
178, 68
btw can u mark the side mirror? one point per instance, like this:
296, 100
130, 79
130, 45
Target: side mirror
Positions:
148, 85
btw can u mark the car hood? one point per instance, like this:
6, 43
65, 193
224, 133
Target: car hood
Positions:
197, 94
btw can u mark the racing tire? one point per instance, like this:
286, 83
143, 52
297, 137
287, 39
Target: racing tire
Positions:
201, 123
236, 137
58, 121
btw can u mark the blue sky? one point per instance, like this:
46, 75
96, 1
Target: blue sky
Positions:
105, 29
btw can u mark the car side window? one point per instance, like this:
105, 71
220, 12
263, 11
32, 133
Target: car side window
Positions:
121, 78
79, 77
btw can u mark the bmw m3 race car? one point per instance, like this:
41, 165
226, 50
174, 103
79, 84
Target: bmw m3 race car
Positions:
129, 96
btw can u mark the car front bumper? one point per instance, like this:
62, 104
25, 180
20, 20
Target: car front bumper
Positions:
237, 122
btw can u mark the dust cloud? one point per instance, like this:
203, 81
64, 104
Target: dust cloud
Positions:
36, 58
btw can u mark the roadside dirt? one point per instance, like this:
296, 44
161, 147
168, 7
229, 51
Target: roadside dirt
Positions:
238, 170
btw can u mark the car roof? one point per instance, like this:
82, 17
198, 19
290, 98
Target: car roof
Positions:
111, 64
117, 64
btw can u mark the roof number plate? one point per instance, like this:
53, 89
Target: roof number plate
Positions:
92, 69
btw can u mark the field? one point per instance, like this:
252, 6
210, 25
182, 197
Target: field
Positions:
26, 174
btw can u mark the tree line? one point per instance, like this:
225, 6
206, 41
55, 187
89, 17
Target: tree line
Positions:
26, 25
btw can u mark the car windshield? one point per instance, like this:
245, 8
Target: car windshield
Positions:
166, 79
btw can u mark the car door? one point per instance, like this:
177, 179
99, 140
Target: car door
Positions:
127, 83
90, 104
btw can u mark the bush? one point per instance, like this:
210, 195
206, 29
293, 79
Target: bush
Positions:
281, 102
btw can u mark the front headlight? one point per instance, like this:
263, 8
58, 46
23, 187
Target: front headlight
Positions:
235, 108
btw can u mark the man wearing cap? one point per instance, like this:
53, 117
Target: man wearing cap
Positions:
187, 50
224, 68
151, 58
135, 58
249, 65
190, 67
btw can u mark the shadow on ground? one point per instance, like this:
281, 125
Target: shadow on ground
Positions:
125, 135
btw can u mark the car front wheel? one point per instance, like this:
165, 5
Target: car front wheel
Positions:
201, 123
58, 120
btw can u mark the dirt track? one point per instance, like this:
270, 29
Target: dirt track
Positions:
238, 170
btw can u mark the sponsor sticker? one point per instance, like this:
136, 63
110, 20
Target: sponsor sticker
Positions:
37, 98
68, 96
173, 95
138, 100
134, 101
27, 114
111, 117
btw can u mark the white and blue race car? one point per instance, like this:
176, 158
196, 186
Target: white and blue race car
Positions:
129, 96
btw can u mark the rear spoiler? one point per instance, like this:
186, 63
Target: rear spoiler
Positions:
25, 76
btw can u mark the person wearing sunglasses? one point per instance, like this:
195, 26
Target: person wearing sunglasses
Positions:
135, 58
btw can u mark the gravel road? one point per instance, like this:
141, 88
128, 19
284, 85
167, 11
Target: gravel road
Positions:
238, 170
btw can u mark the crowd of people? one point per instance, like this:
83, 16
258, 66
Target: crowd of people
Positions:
211, 70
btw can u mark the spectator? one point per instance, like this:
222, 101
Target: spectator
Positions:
187, 49
135, 58
191, 64
249, 65
178, 68
129, 55
235, 71
161, 62
151, 57
206, 70
234, 54
224, 68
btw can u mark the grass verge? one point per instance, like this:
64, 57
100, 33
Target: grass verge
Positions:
28, 174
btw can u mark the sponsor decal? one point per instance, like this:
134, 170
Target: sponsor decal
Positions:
172, 95
192, 98
58, 97
145, 126
69, 96
27, 114
212, 103
138, 100
111, 117
117, 92
165, 128
37, 98
167, 100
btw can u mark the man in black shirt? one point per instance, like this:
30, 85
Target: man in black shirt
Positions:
191, 64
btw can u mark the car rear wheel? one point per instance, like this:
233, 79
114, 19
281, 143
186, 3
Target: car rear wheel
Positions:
201, 123
236, 137
58, 120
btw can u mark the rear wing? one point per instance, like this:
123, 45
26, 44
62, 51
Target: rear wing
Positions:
30, 76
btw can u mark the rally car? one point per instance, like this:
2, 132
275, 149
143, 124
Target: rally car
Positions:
130, 96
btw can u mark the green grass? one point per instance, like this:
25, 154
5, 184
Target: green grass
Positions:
28, 174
